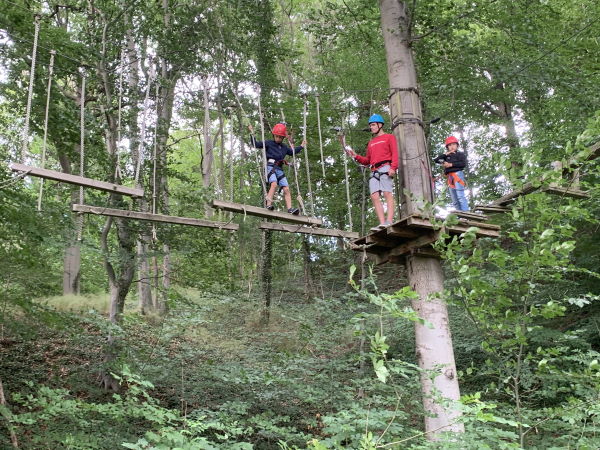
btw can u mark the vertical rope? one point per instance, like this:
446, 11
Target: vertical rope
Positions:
347, 178
46, 114
320, 135
25, 136
263, 153
81, 154
299, 194
154, 158
231, 145
311, 201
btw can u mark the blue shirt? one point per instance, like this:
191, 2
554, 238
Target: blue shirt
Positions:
274, 150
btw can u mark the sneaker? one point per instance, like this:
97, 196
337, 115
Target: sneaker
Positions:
377, 228
294, 211
270, 207
387, 223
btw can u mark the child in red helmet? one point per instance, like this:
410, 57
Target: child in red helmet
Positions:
382, 158
454, 162
276, 151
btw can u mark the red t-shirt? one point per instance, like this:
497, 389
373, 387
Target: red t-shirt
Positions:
380, 148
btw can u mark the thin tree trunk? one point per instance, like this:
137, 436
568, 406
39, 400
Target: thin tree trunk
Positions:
7, 417
266, 275
72, 255
434, 346
308, 278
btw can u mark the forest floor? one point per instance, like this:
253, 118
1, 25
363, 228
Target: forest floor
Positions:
212, 359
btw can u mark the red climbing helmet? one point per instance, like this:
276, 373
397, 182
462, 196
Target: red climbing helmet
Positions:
279, 130
451, 140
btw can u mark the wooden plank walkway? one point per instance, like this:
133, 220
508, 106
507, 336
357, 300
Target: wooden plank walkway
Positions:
135, 215
308, 230
76, 180
265, 213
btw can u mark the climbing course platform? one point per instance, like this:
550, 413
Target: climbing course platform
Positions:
415, 234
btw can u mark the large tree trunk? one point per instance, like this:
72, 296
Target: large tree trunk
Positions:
434, 347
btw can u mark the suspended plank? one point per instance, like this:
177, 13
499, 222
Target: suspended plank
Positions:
507, 199
470, 215
76, 180
308, 230
154, 217
565, 191
265, 213
491, 209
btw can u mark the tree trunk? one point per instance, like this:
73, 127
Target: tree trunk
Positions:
266, 275
434, 347
308, 278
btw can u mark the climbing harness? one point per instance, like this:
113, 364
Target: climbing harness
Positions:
453, 178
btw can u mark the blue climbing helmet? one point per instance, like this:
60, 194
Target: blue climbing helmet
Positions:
376, 118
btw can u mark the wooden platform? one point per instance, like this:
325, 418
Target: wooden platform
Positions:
76, 180
414, 234
308, 230
265, 213
154, 217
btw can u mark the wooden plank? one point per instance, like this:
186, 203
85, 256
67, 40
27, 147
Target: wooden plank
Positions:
567, 192
154, 217
470, 215
265, 213
308, 230
485, 225
76, 180
492, 209
507, 199
455, 229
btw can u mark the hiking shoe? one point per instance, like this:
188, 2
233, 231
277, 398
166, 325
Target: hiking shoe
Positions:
294, 211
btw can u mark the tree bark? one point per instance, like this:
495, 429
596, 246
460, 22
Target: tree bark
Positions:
434, 347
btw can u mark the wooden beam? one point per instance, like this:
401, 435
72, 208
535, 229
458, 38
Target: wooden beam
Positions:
77, 180
507, 199
567, 192
470, 215
154, 217
308, 230
381, 241
398, 230
454, 229
492, 209
419, 242
265, 213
